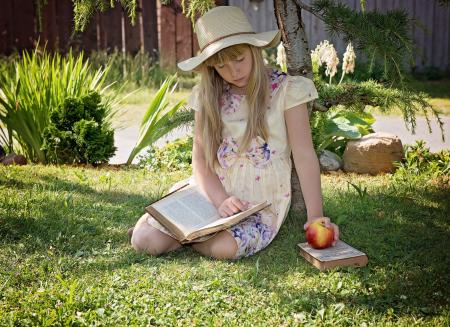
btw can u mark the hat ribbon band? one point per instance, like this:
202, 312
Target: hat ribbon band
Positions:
223, 37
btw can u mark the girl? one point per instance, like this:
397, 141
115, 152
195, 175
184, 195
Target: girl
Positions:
248, 118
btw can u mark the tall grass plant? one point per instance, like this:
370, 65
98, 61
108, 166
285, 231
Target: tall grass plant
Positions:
38, 82
140, 70
160, 117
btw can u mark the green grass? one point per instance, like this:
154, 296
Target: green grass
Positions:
65, 258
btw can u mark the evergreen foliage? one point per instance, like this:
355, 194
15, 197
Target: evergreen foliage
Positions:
355, 96
196, 8
85, 9
78, 132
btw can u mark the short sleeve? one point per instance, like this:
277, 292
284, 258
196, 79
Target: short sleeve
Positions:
193, 101
299, 90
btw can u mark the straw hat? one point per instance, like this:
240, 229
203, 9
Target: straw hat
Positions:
224, 26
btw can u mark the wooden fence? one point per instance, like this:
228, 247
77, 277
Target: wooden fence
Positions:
106, 31
164, 29
432, 43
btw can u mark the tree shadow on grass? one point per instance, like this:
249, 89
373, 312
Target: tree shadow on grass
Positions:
406, 239
70, 215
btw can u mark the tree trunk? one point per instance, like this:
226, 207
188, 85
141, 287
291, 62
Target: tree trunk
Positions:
294, 39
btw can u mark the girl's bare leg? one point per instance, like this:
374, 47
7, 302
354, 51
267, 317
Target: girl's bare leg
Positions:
147, 238
220, 246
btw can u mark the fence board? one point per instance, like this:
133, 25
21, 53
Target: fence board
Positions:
183, 38
110, 29
167, 35
64, 22
150, 26
132, 35
49, 28
6, 26
23, 34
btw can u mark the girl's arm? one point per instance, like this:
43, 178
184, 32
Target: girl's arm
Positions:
306, 162
305, 158
208, 180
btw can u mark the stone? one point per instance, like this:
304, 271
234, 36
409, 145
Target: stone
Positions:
373, 153
329, 161
14, 159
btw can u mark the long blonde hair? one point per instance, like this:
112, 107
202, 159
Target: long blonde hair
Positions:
211, 88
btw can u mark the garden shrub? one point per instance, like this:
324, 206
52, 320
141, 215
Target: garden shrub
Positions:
35, 83
419, 164
176, 155
78, 132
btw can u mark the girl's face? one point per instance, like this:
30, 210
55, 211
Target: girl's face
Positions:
236, 72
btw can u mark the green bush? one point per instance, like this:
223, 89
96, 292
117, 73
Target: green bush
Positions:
78, 132
421, 164
176, 155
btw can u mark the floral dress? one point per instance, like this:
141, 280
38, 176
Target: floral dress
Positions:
263, 172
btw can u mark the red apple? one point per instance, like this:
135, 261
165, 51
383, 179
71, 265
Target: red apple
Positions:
319, 236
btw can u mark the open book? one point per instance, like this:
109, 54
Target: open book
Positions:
187, 214
339, 255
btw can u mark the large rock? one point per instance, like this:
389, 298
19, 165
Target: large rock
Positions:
373, 153
329, 161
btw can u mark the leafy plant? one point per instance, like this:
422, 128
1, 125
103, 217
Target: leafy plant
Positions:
160, 118
420, 162
78, 132
176, 155
333, 129
38, 84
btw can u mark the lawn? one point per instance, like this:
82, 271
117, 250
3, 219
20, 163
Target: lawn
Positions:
65, 258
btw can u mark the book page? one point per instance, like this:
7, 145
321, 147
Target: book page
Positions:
245, 213
188, 209
341, 251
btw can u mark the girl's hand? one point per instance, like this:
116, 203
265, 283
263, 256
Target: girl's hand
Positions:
232, 205
327, 223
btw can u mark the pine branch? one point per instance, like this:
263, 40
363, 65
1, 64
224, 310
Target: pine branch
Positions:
85, 9
182, 117
356, 96
196, 8
308, 8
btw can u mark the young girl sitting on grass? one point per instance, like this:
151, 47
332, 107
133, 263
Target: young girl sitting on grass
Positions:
248, 119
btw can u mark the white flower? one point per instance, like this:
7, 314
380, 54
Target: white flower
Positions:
348, 66
325, 53
281, 57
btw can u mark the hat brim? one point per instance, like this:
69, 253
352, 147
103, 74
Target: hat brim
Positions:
263, 40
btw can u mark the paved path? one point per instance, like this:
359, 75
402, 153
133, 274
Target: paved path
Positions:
126, 138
